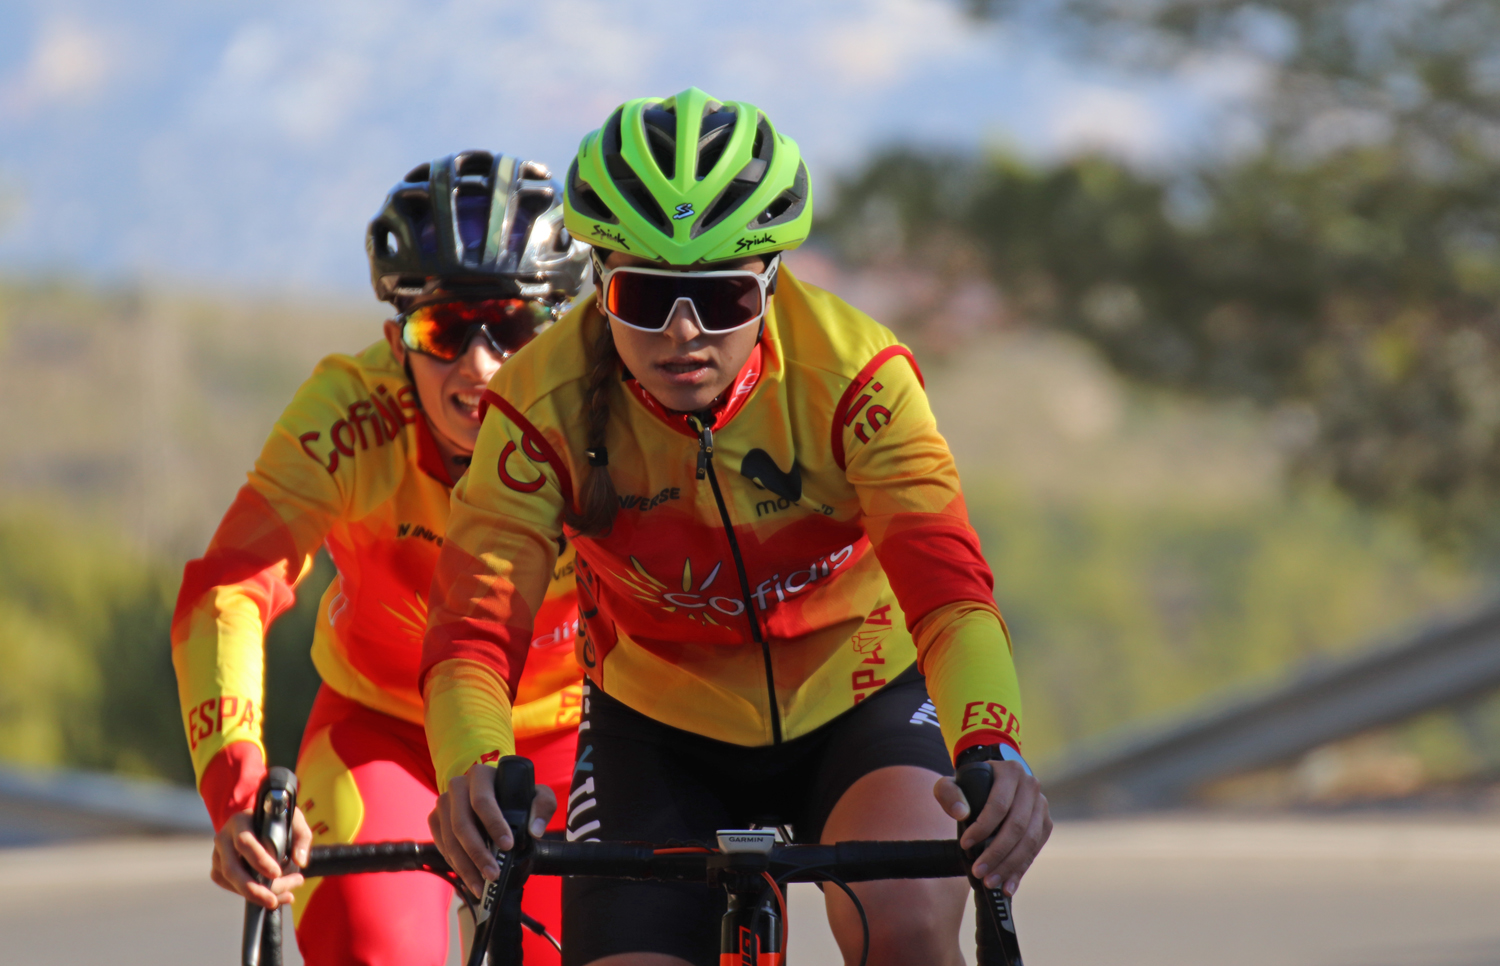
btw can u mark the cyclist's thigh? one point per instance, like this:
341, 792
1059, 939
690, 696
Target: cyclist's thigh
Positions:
364, 779
895, 726
628, 784
875, 783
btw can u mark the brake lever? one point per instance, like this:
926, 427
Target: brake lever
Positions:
996, 928
275, 803
515, 788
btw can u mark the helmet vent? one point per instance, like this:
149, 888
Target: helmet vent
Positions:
472, 211
641, 200
529, 204
422, 172
611, 140
713, 138
416, 208
727, 202
475, 163
661, 136
584, 199
765, 141
786, 206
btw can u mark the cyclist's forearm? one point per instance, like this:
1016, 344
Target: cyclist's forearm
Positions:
468, 717
229, 596
964, 651
219, 659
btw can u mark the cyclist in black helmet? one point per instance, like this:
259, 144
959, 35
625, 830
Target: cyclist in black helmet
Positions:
472, 253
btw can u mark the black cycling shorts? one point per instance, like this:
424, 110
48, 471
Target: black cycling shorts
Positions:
637, 779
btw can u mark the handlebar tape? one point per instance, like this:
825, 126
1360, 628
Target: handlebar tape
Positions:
995, 925
850, 861
275, 803
515, 789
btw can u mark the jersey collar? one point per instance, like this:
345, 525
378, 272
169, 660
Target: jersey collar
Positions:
429, 457
722, 409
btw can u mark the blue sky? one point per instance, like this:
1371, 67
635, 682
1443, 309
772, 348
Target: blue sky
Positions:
216, 143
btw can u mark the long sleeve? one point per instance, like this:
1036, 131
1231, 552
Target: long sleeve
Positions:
503, 530
261, 550
915, 517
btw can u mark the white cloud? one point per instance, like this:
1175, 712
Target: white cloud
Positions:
253, 142
69, 63
887, 40
1108, 119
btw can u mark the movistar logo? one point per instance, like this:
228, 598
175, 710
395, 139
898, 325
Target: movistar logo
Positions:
683, 211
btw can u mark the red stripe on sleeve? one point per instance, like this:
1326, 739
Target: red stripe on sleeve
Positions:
932, 565
859, 383
976, 738
231, 780
564, 478
252, 548
493, 622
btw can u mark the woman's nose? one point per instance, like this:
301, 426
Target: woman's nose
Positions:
683, 324
480, 358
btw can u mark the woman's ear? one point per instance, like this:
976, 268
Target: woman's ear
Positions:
393, 336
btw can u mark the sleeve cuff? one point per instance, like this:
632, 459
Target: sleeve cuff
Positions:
230, 781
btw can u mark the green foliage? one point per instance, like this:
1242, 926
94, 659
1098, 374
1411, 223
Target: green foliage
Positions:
85, 631
1343, 273
1123, 613
86, 675
1349, 295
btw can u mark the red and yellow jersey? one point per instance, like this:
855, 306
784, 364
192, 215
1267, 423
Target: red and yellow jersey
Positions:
845, 505
350, 465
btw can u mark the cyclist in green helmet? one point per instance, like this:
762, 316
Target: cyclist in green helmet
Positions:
786, 615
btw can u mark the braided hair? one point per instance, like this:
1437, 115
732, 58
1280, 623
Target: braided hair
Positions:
597, 498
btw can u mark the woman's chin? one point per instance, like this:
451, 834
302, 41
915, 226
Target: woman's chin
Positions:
685, 399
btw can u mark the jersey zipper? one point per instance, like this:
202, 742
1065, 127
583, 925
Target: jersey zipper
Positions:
706, 468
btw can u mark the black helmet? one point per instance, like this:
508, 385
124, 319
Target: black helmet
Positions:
488, 224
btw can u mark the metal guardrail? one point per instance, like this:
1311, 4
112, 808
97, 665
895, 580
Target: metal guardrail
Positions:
38, 805
1445, 663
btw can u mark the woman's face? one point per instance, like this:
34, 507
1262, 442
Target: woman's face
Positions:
684, 367
450, 391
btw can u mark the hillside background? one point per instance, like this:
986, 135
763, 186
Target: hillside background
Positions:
1148, 550
1207, 293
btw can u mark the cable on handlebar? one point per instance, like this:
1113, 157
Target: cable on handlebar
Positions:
864, 921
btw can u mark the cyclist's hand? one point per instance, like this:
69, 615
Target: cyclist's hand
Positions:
238, 857
469, 803
1017, 808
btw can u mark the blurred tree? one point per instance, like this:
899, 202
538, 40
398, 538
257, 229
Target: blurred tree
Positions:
86, 675
1342, 270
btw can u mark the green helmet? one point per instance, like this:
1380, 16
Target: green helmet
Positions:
687, 180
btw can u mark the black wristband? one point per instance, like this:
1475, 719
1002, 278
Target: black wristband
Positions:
997, 752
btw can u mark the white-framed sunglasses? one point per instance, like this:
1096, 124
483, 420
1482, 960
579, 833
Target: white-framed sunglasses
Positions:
645, 298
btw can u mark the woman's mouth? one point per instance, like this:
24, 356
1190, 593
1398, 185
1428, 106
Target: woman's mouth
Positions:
684, 370
467, 403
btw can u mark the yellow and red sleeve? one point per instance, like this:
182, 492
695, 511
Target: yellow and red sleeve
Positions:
491, 579
914, 514
247, 577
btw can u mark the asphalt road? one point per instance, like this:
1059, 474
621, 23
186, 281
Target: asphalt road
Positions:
1164, 892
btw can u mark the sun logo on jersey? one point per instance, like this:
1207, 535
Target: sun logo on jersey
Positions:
696, 605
